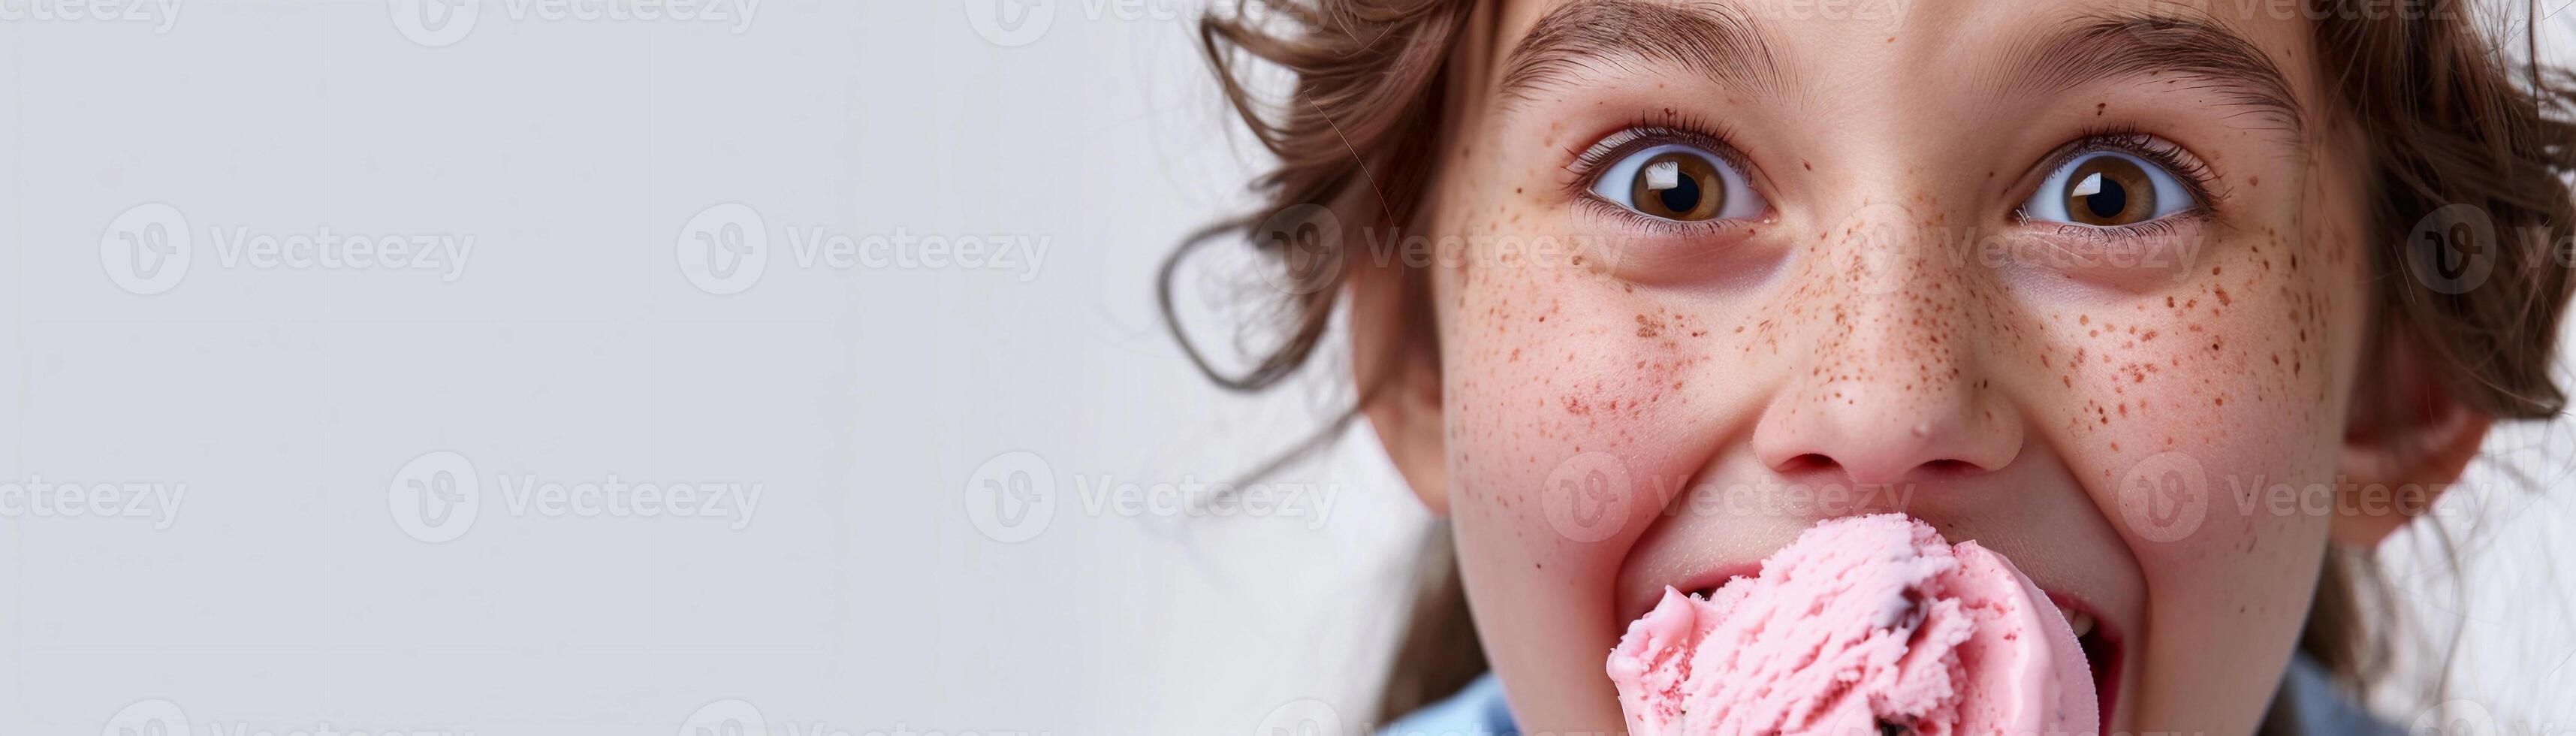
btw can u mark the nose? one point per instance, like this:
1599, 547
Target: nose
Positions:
1897, 383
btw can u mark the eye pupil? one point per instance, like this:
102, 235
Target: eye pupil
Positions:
2108, 203
1682, 197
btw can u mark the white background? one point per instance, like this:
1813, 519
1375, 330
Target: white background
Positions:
868, 403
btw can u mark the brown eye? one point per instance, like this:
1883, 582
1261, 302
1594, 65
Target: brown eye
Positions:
1678, 182
1678, 186
2109, 190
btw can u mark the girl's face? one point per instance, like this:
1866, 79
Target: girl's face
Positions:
2071, 279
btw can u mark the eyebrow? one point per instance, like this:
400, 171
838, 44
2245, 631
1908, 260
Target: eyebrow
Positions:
1718, 41
2103, 47
1707, 38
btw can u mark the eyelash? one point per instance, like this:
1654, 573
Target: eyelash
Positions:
1643, 133
1683, 129
2194, 174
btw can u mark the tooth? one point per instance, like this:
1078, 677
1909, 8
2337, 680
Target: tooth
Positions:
2080, 621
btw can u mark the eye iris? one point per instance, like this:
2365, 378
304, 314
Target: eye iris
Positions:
1678, 186
2109, 190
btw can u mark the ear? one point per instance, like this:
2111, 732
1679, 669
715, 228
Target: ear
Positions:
1395, 358
2409, 439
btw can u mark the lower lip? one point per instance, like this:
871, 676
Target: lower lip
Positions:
2102, 653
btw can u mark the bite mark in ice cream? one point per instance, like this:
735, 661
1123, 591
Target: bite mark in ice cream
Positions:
1863, 626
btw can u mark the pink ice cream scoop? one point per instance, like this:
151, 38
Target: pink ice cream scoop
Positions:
1863, 626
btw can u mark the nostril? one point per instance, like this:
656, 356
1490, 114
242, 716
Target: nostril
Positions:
1813, 461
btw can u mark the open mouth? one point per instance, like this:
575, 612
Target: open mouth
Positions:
2101, 647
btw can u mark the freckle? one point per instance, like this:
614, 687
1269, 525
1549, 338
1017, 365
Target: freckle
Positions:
1516, 190
2222, 298
2098, 107
1803, 162
2254, 180
2213, 270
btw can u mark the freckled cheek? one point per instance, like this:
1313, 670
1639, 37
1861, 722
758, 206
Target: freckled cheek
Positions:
1555, 380
2181, 406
